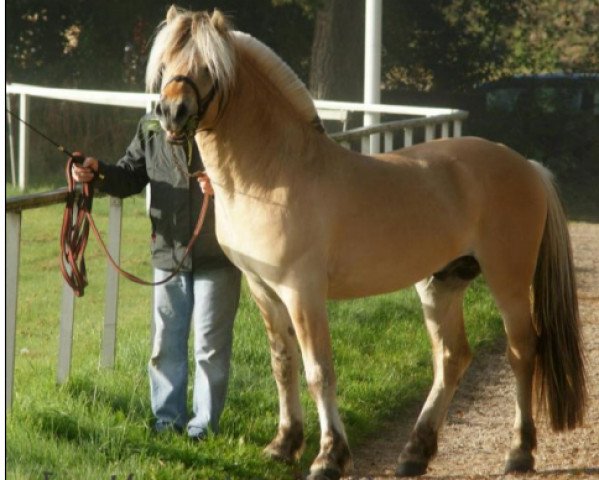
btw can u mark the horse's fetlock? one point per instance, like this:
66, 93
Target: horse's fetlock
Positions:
334, 455
525, 436
288, 444
422, 445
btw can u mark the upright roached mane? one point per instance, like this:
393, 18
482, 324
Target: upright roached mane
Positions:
305, 219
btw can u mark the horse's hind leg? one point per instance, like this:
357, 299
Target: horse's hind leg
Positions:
288, 444
442, 299
508, 263
512, 295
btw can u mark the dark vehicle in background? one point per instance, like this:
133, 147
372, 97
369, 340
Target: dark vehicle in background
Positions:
550, 117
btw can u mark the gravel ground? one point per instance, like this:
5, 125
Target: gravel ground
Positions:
476, 436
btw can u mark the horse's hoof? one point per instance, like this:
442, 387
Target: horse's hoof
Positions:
411, 469
324, 474
520, 465
277, 456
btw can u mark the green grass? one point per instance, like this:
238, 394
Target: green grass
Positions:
97, 424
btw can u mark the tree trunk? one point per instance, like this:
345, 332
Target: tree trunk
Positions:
337, 67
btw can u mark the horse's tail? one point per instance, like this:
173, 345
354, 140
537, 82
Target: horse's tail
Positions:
560, 370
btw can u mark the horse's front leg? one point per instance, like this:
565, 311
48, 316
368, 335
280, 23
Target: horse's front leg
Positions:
309, 317
288, 443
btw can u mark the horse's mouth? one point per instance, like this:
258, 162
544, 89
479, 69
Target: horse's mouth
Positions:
175, 137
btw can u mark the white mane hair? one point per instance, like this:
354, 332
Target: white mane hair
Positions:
195, 40
278, 72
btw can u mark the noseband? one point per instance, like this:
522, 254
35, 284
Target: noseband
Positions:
202, 103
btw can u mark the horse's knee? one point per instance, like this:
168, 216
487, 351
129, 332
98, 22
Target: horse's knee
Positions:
284, 359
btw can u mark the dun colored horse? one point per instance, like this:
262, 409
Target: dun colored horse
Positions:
307, 220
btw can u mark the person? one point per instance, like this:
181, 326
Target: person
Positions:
206, 290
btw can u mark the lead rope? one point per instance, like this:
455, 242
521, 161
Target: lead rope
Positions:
75, 232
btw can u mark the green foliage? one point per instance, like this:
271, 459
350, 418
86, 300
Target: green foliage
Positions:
442, 45
97, 425
445, 45
555, 35
104, 44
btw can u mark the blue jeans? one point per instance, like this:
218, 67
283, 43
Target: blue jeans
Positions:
211, 298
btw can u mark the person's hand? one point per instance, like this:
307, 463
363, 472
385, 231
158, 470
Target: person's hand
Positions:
86, 171
205, 185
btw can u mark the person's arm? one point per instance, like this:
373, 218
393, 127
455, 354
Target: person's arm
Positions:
127, 177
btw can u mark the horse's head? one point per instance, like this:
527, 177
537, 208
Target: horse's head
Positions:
191, 63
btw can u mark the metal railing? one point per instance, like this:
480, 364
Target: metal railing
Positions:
435, 122
438, 126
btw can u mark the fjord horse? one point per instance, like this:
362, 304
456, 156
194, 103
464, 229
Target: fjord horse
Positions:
307, 220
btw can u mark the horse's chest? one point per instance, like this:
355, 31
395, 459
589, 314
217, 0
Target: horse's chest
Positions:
253, 238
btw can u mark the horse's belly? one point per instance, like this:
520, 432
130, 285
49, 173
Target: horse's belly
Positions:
368, 273
389, 249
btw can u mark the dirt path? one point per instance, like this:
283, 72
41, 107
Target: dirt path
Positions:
476, 437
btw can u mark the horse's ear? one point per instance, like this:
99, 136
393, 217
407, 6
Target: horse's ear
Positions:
219, 21
172, 12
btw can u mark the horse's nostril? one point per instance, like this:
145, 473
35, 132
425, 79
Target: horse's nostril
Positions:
158, 109
180, 112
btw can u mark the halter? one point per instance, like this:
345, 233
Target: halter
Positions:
203, 103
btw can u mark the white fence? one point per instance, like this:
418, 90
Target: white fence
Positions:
436, 122
431, 119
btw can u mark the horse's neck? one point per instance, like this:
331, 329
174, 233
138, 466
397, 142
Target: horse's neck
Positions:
260, 143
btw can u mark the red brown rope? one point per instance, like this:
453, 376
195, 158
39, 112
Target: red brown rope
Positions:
76, 222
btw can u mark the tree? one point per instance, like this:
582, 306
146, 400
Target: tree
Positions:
445, 45
555, 35
338, 51
103, 44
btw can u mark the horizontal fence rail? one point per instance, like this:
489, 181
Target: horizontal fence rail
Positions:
429, 118
436, 122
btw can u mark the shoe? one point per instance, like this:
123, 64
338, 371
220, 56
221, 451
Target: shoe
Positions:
196, 434
161, 428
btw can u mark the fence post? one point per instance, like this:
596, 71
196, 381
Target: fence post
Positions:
65, 342
115, 216
365, 148
429, 132
65, 345
13, 247
408, 137
23, 141
372, 68
445, 130
457, 128
11, 144
388, 141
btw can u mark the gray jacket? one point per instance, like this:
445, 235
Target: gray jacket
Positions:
175, 198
